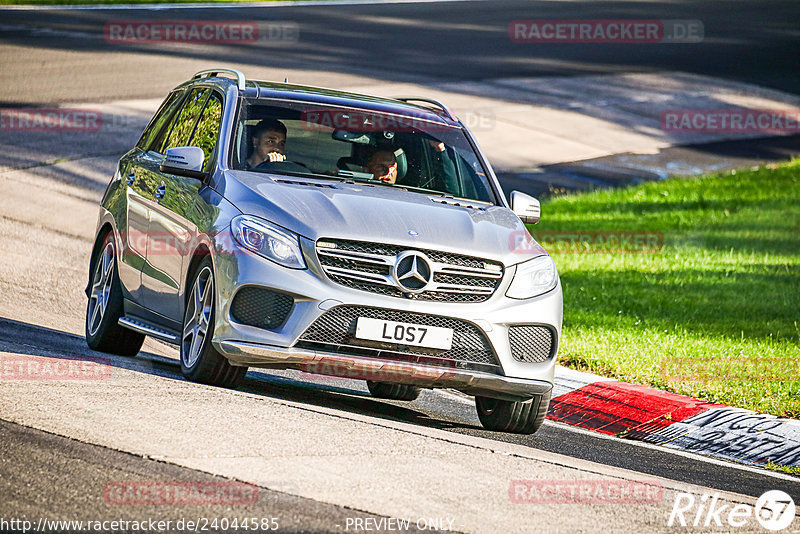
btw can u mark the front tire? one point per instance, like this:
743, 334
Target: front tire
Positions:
105, 307
200, 361
517, 417
383, 390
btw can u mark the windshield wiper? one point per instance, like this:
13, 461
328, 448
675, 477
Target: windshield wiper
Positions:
301, 174
427, 191
372, 181
351, 179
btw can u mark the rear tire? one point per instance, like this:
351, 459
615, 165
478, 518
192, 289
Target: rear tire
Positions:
513, 416
105, 307
200, 361
383, 390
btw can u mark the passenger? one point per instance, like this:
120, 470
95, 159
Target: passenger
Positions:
382, 165
268, 142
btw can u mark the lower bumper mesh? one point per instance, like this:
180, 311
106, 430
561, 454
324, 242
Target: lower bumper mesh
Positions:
531, 343
337, 326
259, 307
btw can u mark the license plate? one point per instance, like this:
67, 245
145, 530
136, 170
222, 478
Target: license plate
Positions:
417, 335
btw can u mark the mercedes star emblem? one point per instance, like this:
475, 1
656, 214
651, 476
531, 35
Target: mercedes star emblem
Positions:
412, 271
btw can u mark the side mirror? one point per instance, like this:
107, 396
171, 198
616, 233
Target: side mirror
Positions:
525, 207
184, 161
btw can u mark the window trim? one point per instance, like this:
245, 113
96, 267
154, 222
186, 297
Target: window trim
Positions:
181, 95
212, 158
185, 101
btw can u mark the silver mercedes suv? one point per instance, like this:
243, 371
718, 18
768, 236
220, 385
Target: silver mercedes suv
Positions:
282, 226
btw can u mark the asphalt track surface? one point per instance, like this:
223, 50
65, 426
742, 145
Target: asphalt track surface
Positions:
61, 57
755, 42
60, 490
73, 467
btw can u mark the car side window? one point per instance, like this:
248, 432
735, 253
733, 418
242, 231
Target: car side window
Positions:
160, 120
183, 125
206, 132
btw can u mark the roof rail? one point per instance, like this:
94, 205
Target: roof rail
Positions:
436, 103
240, 79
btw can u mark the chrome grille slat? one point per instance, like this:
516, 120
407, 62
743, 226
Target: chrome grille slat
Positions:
465, 271
358, 275
366, 258
368, 267
468, 290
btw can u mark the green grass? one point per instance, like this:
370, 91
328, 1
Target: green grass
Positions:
783, 468
714, 314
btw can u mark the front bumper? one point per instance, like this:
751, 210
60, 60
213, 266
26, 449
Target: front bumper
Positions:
345, 366
314, 294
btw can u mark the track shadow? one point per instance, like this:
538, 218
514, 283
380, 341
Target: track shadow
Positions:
441, 44
454, 41
26, 339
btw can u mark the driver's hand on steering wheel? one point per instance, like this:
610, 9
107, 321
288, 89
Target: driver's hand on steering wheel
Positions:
275, 157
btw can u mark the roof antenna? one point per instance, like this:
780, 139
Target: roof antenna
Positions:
286, 80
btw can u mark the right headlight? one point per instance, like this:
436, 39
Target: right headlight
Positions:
268, 240
533, 277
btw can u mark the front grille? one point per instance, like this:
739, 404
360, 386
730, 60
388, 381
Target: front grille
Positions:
337, 327
260, 307
531, 344
368, 267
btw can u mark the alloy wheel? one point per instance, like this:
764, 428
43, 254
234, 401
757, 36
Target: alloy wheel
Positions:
101, 288
198, 316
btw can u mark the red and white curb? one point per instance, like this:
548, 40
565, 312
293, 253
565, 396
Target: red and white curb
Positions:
630, 411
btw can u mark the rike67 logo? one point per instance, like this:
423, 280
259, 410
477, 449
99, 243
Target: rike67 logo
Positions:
774, 511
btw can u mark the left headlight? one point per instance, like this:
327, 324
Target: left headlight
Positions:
268, 240
533, 278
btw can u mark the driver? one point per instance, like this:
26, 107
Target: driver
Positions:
382, 165
268, 142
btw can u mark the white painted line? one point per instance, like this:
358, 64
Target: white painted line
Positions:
676, 452
582, 376
229, 5
567, 380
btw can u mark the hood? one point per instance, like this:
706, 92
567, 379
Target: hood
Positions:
380, 214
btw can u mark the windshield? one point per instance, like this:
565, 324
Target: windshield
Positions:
358, 145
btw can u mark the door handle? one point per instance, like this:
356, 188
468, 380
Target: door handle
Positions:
131, 178
161, 190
